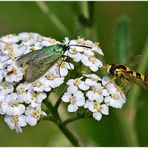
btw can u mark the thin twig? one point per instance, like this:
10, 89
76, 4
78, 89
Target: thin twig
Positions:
66, 122
45, 9
59, 123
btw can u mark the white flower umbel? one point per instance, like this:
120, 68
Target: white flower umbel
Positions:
16, 122
18, 96
33, 115
53, 78
97, 92
6, 88
75, 99
2, 98
37, 98
86, 54
91, 62
75, 84
12, 106
21, 101
97, 108
13, 73
117, 97
63, 67
23, 91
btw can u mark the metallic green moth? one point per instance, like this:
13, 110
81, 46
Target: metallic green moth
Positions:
38, 62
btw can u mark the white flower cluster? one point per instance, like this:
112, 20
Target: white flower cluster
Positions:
94, 94
85, 55
20, 101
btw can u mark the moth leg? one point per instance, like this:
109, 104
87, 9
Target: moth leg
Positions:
67, 60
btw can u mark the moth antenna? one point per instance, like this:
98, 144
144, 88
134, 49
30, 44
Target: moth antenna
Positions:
81, 46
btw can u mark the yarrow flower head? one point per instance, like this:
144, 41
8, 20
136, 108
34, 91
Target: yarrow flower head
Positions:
98, 96
21, 101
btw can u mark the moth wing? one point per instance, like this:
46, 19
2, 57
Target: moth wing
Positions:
36, 70
35, 55
28, 57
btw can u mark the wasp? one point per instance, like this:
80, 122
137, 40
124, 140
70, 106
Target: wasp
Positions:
124, 72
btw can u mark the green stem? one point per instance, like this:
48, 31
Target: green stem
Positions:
60, 124
58, 103
50, 118
85, 13
45, 9
73, 119
69, 135
61, 91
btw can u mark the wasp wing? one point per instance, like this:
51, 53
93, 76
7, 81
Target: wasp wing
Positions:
133, 60
35, 70
136, 80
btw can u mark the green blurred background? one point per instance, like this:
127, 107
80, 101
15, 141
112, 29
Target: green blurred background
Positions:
126, 127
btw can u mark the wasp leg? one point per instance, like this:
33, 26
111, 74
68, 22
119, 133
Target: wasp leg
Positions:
127, 85
111, 80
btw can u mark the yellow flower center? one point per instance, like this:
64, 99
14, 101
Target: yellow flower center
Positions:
13, 71
51, 76
36, 84
96, 44
115, 96
35, 96
15, 120
11, 50
73, 100
74, 50
37, 113
33, 48
97, 90
14, 103
53, 41
97, 106
77, 82
21, 91
5, 85
92, 59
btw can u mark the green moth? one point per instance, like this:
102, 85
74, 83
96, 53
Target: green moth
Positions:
38, 62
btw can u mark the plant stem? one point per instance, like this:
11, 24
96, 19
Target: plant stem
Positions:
60, 124
69, 135
85, 13
73, 119
45, 9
